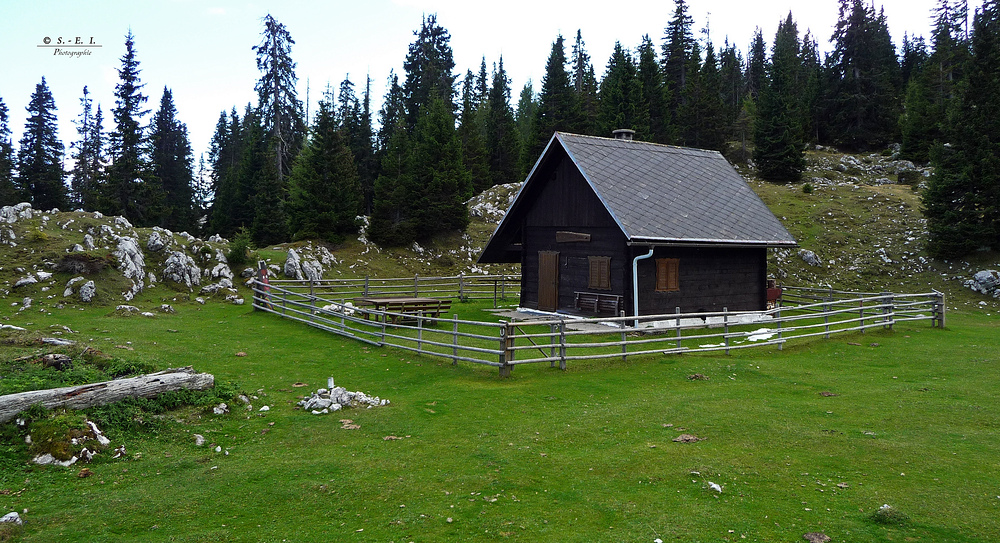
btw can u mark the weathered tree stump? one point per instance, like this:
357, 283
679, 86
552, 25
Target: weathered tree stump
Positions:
84, 396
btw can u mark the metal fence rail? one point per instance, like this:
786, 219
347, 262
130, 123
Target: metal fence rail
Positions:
561, 339
461, 287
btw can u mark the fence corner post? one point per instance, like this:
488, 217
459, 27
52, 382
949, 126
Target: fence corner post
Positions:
506, 342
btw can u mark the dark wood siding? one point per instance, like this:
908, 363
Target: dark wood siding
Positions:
566, 203
710, 279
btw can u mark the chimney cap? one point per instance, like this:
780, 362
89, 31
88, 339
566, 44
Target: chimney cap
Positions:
624, 134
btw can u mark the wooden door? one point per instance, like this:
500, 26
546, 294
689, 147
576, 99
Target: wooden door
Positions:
548, 280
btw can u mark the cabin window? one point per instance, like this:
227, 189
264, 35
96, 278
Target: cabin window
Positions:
668, 274
600, 273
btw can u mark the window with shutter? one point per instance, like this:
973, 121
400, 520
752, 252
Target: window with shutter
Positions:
667, 274
600, 273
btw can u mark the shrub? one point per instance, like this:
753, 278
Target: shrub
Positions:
240, 249
888, 515
83, 263
807, 188
908, 177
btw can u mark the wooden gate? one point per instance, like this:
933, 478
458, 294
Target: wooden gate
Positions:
548, 280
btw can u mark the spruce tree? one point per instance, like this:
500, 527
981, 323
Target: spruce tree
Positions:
171, 162
863, 96
439, 172
932, 87
778, 137
40, 153
471, 133
225, 153
558, 104
962, 200
732, 86
622, 103
678, 48
363, 149
503, 145
429, 67
392, 223
756, 75
585, 84
88, 155
524, 118
654, 94
277, 99
810, 84
128, 189
9, 193
324, 195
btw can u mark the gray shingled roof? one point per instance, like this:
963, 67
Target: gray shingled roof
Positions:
660, 193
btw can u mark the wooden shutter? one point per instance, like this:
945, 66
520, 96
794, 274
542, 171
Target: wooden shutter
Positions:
600, 273
668, 274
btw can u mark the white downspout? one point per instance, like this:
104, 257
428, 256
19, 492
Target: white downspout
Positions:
635, 284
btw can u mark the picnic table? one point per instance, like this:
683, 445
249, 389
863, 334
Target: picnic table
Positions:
429, 307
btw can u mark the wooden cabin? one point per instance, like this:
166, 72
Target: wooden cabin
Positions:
596, 212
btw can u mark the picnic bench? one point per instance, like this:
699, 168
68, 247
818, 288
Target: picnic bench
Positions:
597, 302
398, 310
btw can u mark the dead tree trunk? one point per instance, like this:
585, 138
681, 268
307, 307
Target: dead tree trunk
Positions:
84, 396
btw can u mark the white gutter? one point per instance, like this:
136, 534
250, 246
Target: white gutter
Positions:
635, 284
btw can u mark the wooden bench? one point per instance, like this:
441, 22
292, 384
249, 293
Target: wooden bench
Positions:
407, 310
596, 302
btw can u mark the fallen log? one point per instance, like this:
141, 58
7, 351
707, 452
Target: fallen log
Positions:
84, 396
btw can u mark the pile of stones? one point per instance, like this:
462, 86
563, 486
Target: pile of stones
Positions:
325, 401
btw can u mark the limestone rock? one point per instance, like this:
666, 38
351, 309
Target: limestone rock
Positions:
87, 292
155, 242
25, 281
11, 518
986, 282
131, 262
180, 268
312, 270
293, 265
11, 214
810, 257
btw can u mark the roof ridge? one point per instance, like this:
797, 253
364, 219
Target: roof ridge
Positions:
649, 143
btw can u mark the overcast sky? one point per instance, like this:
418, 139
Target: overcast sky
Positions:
201, 50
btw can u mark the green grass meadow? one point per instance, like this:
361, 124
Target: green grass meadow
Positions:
910, 419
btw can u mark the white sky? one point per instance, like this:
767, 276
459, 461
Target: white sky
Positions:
201, 50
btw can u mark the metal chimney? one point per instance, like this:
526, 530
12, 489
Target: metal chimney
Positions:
624, 134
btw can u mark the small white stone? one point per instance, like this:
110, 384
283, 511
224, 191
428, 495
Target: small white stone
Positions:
265, 408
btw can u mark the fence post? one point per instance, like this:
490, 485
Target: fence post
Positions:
552, 345
940, 308
562, 343
461, 287
416, 278
454, 340
861, 313
725, 326
503, 287
826, 314
678, 311
420, 331
777, 315
887, 309
624, 337
506, 342
312, 297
